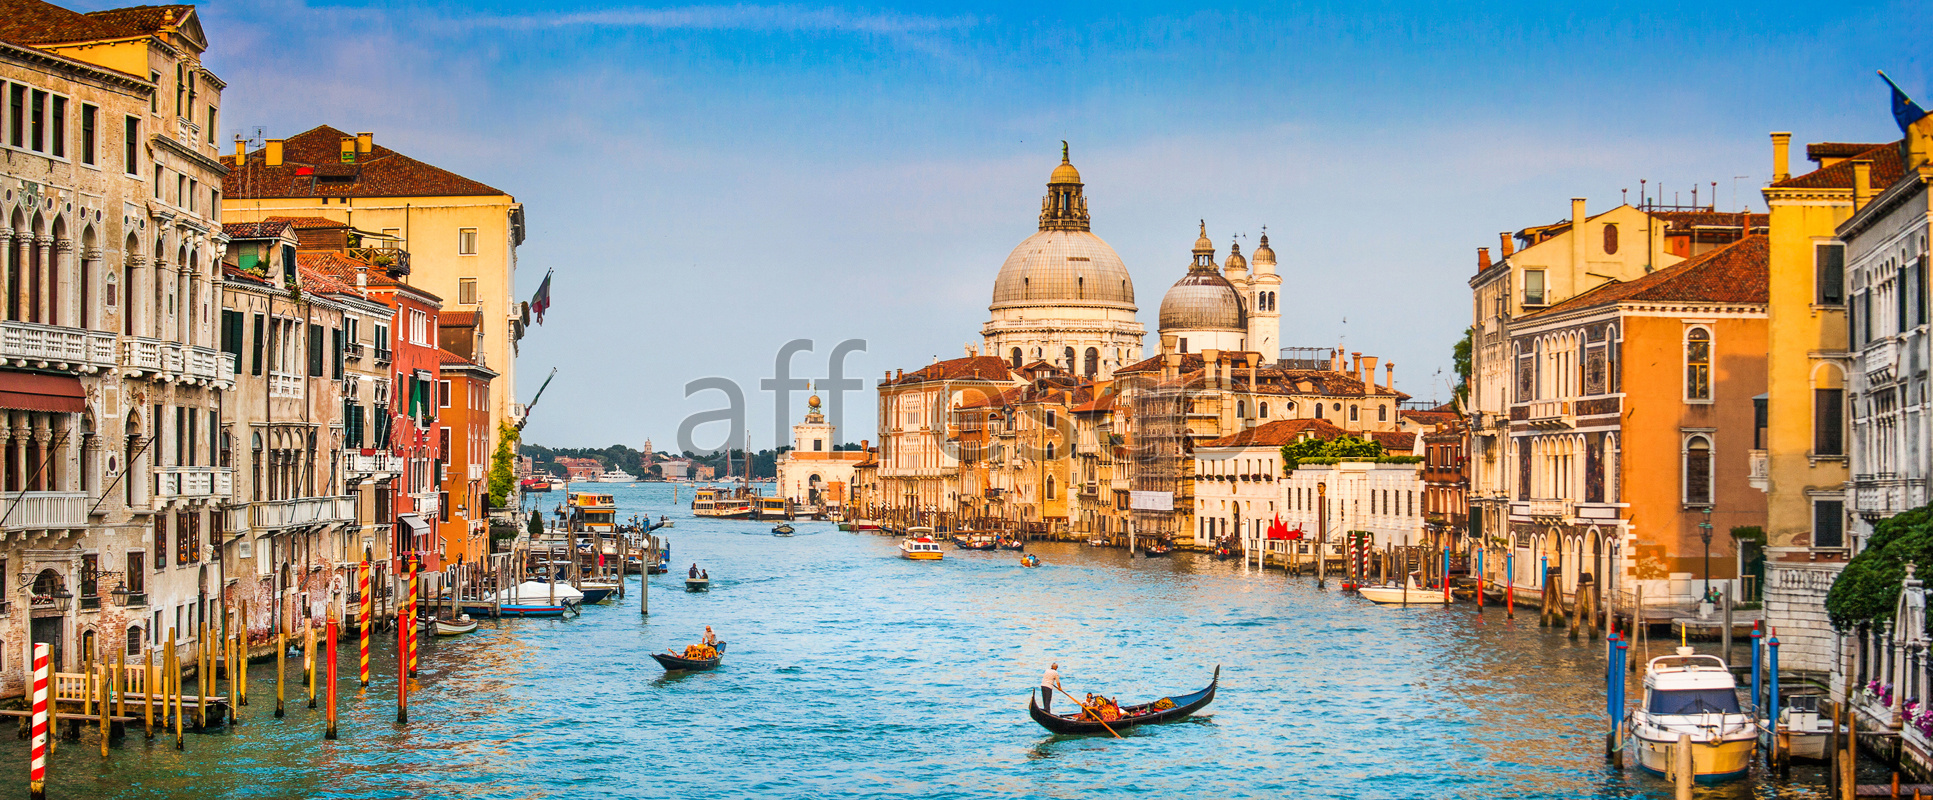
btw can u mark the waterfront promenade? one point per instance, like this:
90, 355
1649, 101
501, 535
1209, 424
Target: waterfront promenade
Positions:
852, 674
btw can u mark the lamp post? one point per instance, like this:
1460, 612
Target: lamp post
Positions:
1705, 535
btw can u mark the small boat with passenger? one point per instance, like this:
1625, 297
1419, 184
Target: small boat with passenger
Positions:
1166, 709
782, 529
696, 658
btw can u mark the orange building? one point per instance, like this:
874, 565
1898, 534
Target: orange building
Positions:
1632, 423
463, 399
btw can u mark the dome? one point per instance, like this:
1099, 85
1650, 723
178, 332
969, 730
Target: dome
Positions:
1065, 173
1264, 254
1202, 301
1063, 267
1235, 259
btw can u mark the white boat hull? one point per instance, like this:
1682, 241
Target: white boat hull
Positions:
1710, 763
1386, 595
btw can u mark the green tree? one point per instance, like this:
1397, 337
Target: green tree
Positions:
536, 526
503, 472
1345, 446
1460, 355
1867, 589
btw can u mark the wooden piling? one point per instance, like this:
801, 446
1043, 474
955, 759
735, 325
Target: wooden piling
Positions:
330, 731
147, 693
204, 668
241, 616
1681, 771
281, 668
309, 659
362, 628
174, 667
106, 670
42, 743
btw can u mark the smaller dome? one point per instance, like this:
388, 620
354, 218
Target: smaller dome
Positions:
1264, 254
1235, 259
1202, 301
1065, 173
1202, 245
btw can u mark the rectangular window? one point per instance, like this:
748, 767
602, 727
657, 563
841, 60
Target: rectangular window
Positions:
137, 578
181, 425
181, 189
1829, 265
157, 181
335, 352
90, 123
37, 138
131, 145
255, 357
160, 541
442, 394
443, 443
154, 100
1865, 318
466, 291
466, 241
17, 116
1534, 287
194, 195
1828, 523
315, 350
211, 124
1828, 422
58, 124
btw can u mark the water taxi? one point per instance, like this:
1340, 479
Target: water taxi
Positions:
919, 546
772, 507
1694, 695
593, 512
720, 504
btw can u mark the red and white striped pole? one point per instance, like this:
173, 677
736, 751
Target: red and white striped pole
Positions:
412, 617
37, 779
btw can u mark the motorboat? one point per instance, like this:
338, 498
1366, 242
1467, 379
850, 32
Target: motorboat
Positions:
1803, 728
782, 529
702, 583
616, 476
597, 591
538, 599
865, 525
1697, 696
453, 627
1409, 594
921, 548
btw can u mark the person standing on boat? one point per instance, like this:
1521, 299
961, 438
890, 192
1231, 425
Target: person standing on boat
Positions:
711, 639
694, 571
1049, 681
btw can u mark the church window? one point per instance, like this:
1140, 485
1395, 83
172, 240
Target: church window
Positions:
1382, 413
1318, 411
1184, 344
1264, 410
1016, 358
1093, 364
1352, 413
818, 445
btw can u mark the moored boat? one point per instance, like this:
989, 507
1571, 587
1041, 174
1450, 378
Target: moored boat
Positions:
597, 591
677, 663
538, 599
1166, 709
1012, 543
1696, 696
1408, 594
1157, 549
1802, 727
865, 525
460, 625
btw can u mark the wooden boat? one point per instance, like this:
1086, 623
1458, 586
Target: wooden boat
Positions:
672, 663
865, 525
1131, 716
1012, 544
1157, 549
1030, 560
460, 625
782, 529
845, 526
1410, 594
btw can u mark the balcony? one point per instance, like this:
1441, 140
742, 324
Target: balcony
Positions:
285, 384
383, 356
427, 504
27, 344
1761, 477
191, 483
44, 510
393, 260
1549, 508
176, 362
1550, 415
276, 514
1883, 494
352, 350
377, 464
1879, 361
476, 472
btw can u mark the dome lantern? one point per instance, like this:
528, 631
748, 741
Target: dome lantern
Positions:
1065, 207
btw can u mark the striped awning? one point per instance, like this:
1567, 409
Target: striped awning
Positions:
27, 391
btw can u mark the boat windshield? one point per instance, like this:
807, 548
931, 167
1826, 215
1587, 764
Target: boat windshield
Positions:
1694, 701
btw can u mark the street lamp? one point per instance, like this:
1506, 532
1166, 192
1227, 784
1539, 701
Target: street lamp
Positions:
1705, 535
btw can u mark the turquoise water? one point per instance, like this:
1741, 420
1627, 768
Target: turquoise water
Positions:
852, 673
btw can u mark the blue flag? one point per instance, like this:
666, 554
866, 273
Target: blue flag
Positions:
1905, 111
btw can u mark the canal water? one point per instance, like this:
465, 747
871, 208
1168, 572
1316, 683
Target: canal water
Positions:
852, 673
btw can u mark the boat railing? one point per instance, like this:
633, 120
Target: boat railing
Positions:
1687, 663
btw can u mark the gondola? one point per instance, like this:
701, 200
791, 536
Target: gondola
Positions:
677, 664
1013, 544
782, 529
1157, 549
1131, 716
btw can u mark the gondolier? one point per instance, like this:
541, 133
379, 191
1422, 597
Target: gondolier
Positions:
1049, 681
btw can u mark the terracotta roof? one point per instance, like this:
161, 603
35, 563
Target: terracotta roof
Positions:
380, 173
320, 282
1103, 403
452, 358
267, 229
1820, 151
1686, 220
1735, 273
457, 319
1394, 442
1887, 168
990, 368
310, 223
35, 22
1278, 433
1431, 417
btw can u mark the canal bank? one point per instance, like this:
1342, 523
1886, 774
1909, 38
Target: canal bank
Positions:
852, 673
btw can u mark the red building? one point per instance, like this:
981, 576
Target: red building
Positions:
415, 361
463, 436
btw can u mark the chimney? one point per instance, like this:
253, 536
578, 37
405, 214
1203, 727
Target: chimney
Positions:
1369, 372
1168, 343
348, 150
241, 151
1483, 258
1355, 364
1507, 244
1781, 156
272, 153
1389, 376
365, 141
1919, 143
1862, 183
865, 444
1211, 358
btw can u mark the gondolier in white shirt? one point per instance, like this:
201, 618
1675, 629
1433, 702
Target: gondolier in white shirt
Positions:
1049, 681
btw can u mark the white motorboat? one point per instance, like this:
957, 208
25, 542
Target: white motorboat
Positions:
616, 476
539, 592
1408, 594
1694, 695
1803, 729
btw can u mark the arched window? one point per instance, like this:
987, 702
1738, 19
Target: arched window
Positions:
1318, 411
1069, 353
1698, 471
135, 640
1016, 358
1050, 451
1610, 239
1241, 408
1698, 364
1093, 365
1263, 410
1050, 485
1352, 413
1382, 413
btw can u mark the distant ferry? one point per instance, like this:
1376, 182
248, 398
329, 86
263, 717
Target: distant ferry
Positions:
720, 504
617, 476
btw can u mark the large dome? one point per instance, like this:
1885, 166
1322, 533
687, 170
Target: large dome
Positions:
1202, 300
1063, 267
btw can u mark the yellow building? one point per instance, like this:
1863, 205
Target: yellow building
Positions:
1803, 465
461, 235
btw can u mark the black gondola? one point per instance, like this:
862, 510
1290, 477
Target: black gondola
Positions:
1157, 549
1131, 716
677, 664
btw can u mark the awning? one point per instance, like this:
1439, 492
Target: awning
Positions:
415, 522
26, 391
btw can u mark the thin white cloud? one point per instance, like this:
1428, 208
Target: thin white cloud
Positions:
735, 17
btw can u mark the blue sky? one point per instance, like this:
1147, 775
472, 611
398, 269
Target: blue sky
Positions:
709, 182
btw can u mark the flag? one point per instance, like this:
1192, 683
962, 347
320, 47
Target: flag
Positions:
540, 302
1905, 111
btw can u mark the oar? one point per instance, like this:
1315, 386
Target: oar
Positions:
1097, 714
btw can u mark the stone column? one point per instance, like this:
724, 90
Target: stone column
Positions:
22, 277
17, 454
88, 284
49, 274
42, 472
